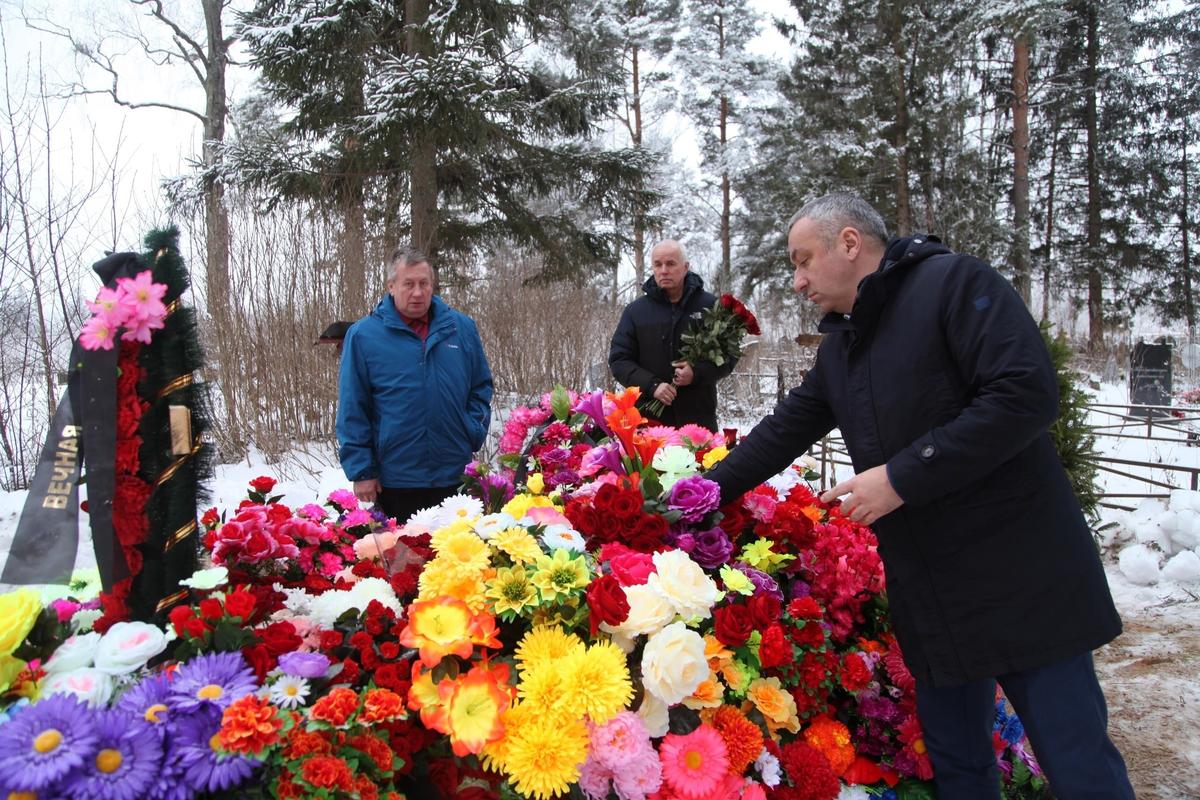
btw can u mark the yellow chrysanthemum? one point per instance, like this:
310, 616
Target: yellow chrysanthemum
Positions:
448, 583
548, 689
558, 576
521, 503
599, 677
462, 550
518, 544
545, 645
714, 456
544, 756
511, 591
495, 754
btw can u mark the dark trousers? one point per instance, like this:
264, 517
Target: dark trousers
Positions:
1062, 708
403, 503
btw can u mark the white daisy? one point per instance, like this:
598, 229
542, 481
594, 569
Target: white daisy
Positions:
428, 518
489, 525
289, 691
460, 506
556, 536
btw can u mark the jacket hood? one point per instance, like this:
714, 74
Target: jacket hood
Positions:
691, 283
385, 311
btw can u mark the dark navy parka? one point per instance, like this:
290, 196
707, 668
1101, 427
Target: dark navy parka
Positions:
940, 373
647, 340
412, 413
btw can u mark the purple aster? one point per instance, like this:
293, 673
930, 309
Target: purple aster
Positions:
761, 580
127, 762
711, 548
194, 753
46, 742
695, 497
304, 665
214, 680
148, 700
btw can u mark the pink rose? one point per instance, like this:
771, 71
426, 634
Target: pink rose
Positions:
632, 568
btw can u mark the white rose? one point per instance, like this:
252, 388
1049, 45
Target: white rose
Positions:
85, 618
209, 578
655, 715
90, 685
673, 663
127, 646
75, 653
684, 584
649, 611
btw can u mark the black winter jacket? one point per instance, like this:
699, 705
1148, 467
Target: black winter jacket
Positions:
940, 373
647, 340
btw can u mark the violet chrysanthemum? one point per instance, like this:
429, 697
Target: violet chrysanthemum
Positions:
45, 743
127, 762
148, 700
214, 680
202, 767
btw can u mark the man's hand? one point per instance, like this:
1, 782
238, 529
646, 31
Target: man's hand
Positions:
868, 496
665, 393
367, 491
683, 373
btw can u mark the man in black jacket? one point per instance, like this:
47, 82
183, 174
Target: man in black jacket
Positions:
943, 390
645, 347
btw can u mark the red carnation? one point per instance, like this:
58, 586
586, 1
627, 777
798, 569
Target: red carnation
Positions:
775, 649
327, 772
855, 673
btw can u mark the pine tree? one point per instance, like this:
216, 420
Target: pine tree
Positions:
1071, 434
461, 115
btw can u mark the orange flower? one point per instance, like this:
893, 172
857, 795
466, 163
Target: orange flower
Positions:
707, 695
646, 446
375, 749
438, 628
484, 631
381, 705
423, 696
626, 399
624, 421
832, 738
743, 739
327, 772
286, 788
335, 707
249, 726
473, 706
301, 742
776, 705
366, 788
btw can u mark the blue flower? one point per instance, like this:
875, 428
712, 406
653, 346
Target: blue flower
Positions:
45, 743
127, 762
214, 680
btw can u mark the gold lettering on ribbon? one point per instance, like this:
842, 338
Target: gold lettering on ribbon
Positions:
66, 460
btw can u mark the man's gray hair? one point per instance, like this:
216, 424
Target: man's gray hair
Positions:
407, 254
839, 210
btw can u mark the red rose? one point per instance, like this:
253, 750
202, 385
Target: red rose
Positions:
775, 649
606, 602
239, 603
262, 484
443, 773
195, 628
733, 520
727, 301
280, 638
210, 518
732, 625
627, 503
603, 499
764, 609
179, 616
210, 609
331, 640
349, 673
260, 660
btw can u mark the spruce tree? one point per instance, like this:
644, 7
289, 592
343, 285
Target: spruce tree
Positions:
1071, 434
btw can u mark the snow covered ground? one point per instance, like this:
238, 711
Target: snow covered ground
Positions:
1151, 674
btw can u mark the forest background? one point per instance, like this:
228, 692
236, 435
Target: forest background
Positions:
537, 150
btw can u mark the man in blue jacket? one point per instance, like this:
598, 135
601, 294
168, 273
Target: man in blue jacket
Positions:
943, 390
415, 393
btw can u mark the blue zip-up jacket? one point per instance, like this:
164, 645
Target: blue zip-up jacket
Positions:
412, 413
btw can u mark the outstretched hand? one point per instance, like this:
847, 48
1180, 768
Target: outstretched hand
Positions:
868, 496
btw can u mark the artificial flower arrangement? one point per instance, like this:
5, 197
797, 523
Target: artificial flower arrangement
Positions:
614, 635
133, 309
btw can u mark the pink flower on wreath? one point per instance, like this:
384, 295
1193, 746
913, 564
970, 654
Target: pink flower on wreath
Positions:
145, 296
343, 499
98, 333
303, 530
329, 563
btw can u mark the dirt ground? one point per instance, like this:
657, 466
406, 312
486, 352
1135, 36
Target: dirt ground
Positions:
1151, 677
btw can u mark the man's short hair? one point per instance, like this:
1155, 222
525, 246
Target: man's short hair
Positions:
408, 254
839, 210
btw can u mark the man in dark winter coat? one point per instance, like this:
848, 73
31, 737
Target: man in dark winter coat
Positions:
415, 394
943, 390
645, 347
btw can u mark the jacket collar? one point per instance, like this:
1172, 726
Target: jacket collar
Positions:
900, 255
691, 283
439, 316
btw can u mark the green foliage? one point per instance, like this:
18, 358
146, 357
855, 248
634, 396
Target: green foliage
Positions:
1072, 436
